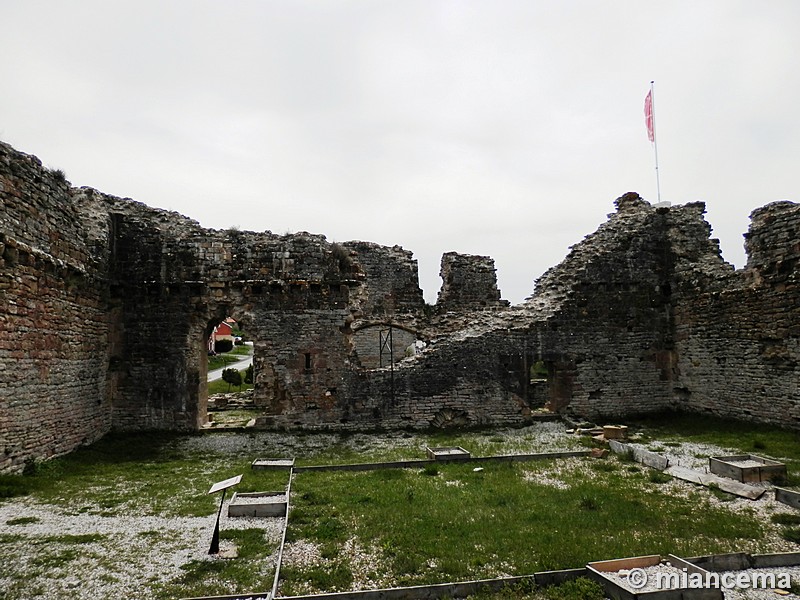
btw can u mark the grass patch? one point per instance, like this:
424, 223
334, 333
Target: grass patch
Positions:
147, 473
417, 526
218, 386
590, 503
659, 477
577, 589
430, 470
23, 521
496, 521
604, 466
791, 534
216, 576
54, 552
719, 494
628, 456
335, 577
12, 486
786, 519
227, 359
234, 418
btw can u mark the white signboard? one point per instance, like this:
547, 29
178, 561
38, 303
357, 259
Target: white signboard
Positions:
224, 485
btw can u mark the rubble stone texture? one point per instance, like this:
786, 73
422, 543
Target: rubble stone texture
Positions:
106, 304
468, 282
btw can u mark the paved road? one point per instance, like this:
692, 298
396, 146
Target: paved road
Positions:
243, 363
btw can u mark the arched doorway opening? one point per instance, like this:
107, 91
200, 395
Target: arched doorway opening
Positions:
228, 378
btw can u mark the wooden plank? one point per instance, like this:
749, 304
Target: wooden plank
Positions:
423, 592
789, 497
782, 559
680, 563
420, 463
686, 474
734, 487
708, 479
545, 578
683, 594
735, 561
650, 459
720, 466
635, 562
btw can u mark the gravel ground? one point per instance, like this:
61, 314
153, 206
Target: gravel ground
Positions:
544, 436
131, 553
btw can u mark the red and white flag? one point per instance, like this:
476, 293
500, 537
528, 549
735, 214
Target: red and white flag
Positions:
649, 120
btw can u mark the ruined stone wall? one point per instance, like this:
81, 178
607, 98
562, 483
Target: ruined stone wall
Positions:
53, 318
602, 322
448, 386
468, 282
391, 279
176, 280
294, 294
606, 331
739, 344
106, 304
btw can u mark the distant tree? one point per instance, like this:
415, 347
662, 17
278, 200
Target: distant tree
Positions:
221, 346
232, 377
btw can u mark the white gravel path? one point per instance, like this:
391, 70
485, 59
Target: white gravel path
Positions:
131, 554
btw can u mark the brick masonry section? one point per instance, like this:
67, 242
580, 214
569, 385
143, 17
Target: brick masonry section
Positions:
106, 304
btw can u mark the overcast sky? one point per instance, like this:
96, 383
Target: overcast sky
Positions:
496, 127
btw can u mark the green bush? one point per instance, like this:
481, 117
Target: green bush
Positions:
342, 258
221, 346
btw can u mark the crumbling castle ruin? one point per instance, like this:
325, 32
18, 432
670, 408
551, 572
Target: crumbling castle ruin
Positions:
642, 316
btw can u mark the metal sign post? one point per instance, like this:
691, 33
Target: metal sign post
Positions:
223, 486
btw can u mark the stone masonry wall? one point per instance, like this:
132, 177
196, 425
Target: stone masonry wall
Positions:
600, 321
106, 304
53, 318
468, 282
739, 344
391, 279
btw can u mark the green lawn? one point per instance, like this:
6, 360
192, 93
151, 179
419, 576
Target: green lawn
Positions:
227, 358
507, 519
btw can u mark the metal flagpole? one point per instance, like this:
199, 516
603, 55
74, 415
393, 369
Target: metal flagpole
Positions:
655, 140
